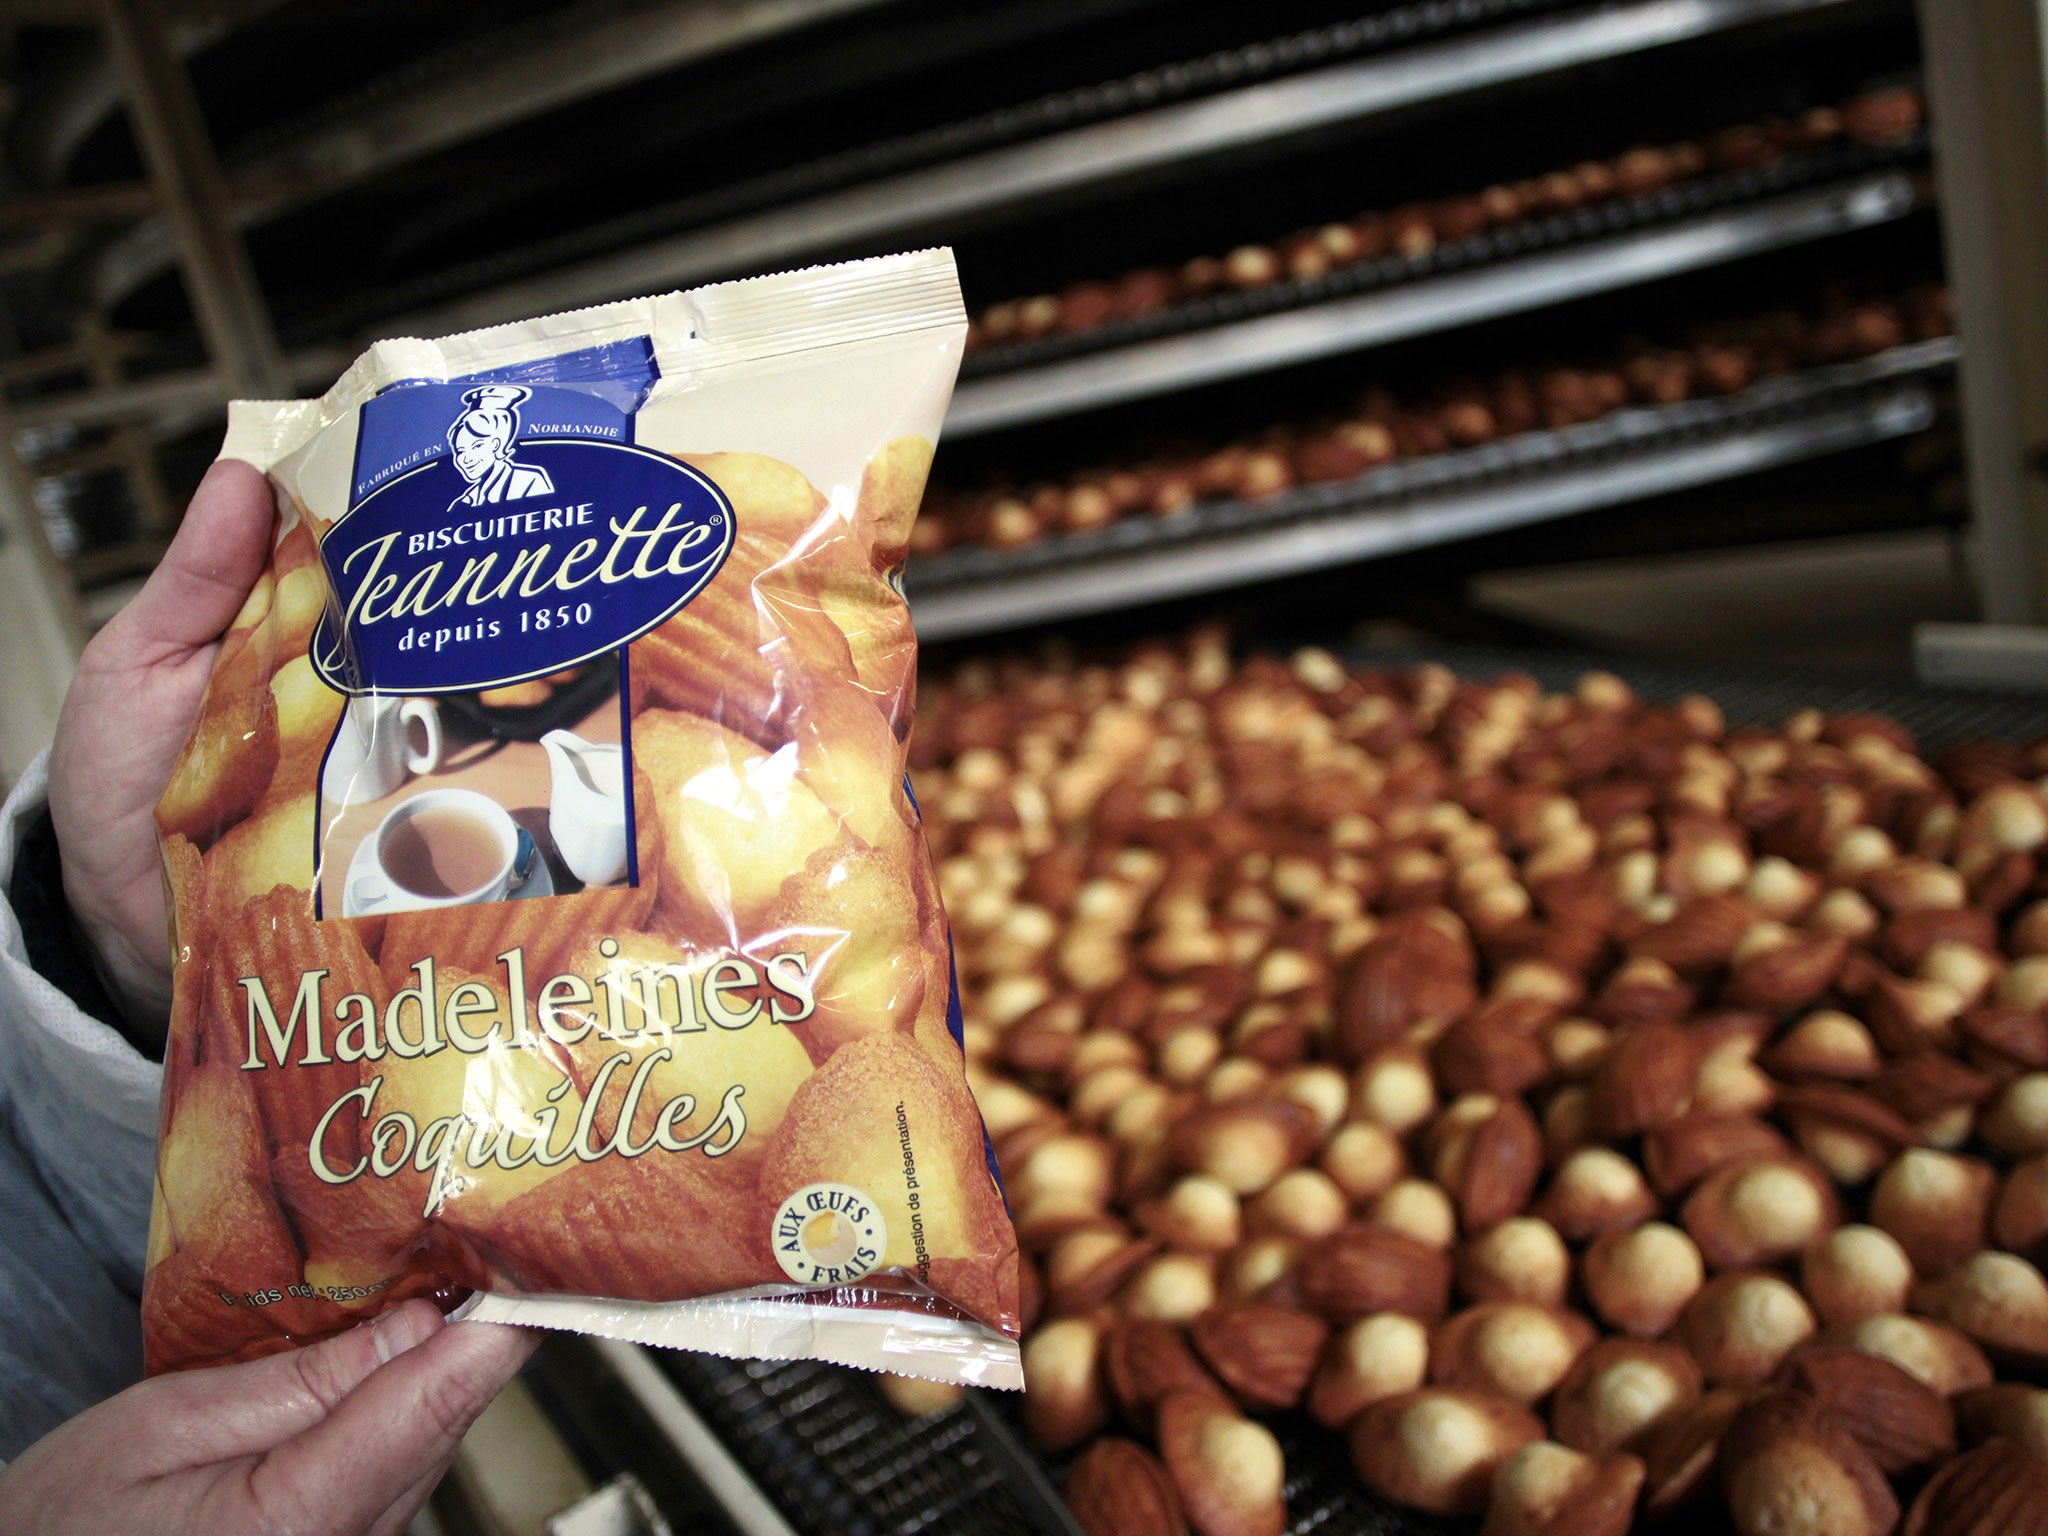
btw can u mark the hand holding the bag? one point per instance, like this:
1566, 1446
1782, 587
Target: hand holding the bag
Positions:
127, 716
341, 1439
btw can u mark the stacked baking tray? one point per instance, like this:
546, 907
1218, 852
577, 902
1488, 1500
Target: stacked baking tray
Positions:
1633, 454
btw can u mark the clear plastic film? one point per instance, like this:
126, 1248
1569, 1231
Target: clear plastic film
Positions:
552, 919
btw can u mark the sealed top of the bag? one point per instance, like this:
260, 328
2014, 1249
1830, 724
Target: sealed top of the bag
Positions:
553, 921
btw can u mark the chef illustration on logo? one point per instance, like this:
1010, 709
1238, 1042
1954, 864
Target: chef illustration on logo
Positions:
483, 439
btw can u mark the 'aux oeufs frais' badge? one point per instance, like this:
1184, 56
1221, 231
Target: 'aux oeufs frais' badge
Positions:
828, 1234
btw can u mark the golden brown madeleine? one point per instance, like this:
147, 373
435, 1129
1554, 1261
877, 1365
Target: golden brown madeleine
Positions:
735, 820
853, 761
279, 984
664, 1225
248, 650
715, 657
298, 546
977, 1287
769, 498
878, 1113
185, 900
751, 646
879, 638
366, 1246
273, 847
891, 487
667, 669
680, 1023
468, 938
191, 934
850, 913
365, 1236
296, 608
217, 1238
308, 711
227, 761
493, 1113
242, 628
803, 639
853, 591
291, 509
674, 1034
275, 623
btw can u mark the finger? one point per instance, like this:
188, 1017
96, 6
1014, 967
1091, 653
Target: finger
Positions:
399, 1426
205, 1417
399, 1515
219, 551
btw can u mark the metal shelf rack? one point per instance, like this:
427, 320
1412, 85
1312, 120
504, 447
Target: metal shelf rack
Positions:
1529, 266
1532, 477
1434, 50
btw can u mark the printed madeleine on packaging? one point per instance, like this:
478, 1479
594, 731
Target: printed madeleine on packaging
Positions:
554, 932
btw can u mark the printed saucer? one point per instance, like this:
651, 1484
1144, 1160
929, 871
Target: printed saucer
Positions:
367, 892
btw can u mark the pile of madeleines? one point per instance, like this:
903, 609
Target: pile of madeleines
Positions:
1377, 427
1600, 1117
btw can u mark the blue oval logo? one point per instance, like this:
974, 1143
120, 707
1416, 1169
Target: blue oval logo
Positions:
494, 563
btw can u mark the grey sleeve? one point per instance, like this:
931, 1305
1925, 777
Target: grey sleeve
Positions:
69, 1336
78, 1108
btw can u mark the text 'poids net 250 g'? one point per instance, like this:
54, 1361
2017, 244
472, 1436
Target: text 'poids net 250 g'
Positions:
552, 918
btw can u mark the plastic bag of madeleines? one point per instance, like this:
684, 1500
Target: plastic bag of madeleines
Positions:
552, 920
